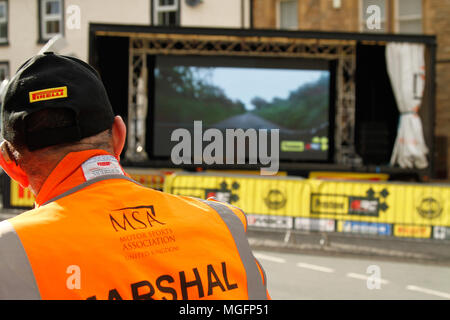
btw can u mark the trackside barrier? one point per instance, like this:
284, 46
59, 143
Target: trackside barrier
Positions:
379, 208
408, 210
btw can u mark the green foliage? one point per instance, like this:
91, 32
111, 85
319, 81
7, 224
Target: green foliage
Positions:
187, 95
304, 108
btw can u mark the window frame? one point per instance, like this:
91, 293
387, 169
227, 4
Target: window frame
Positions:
43, 18
156, 9
5, 41
278, 15
398, 19
5, 65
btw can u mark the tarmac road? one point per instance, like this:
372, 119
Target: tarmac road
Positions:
294, 276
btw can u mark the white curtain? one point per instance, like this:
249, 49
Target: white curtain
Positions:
406, 69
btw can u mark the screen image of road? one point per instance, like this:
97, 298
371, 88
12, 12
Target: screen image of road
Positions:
295, 101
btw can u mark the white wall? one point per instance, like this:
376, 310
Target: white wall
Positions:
22, 33
103, 11
23, 22
23, 30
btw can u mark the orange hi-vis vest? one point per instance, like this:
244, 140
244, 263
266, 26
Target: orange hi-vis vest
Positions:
97, 234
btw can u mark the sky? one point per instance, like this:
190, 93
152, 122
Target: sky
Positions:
246, 83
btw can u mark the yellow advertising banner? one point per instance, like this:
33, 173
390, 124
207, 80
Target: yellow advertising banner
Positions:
353, 201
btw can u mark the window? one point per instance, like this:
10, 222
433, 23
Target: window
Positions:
369, 17
288, 14
4, 71
51, 18
3, 21
166, 12
408, 16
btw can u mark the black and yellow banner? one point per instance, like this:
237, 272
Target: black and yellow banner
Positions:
373, 207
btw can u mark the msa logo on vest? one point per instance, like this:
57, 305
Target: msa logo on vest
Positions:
135, 218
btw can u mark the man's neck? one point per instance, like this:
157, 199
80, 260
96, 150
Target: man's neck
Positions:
39, 170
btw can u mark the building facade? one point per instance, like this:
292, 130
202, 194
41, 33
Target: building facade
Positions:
26, 25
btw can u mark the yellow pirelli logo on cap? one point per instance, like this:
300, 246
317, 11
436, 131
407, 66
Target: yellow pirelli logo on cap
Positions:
48, 94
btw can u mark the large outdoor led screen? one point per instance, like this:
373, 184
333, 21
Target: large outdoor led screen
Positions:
231, 92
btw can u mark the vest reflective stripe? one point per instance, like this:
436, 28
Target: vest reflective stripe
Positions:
255, 286
17, 281
87, 184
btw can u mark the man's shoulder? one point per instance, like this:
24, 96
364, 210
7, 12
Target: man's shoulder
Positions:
28, 218
6, 229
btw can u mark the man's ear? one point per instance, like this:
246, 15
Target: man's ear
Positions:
9, 165
119, 135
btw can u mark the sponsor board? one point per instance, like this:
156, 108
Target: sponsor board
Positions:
275, 199
375, 202
311, 224
411, 231
365, 227
266, 221
224, 193
343, 204
363, 206
429, 206
441, 233
328, 203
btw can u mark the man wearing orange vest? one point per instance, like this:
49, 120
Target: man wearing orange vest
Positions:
94, 232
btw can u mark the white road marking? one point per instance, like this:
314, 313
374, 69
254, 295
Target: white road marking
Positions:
314, 267
364, 277
429, 291
268, 258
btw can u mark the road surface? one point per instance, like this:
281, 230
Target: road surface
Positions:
294, 276
246, 121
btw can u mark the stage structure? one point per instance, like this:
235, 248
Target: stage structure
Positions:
344, 51
339, 48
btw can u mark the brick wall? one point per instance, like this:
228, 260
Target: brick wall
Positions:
437, 22
312, 15
264, 16
320, 15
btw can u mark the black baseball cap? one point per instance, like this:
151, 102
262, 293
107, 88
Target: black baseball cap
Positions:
52, 81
